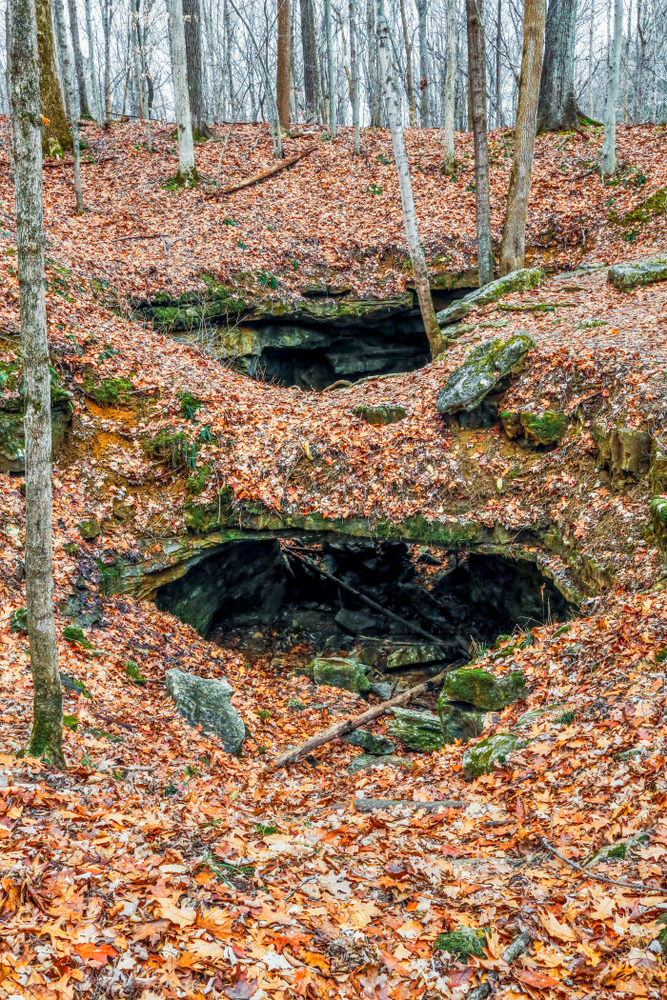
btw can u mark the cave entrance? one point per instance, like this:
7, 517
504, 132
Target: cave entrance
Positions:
258, 596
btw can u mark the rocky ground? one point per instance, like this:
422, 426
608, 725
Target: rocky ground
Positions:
159, 865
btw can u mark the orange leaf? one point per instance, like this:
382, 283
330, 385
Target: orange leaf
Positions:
536, 979
95, 955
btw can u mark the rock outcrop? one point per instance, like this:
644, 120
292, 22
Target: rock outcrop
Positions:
486, 369
641, 272
518, 281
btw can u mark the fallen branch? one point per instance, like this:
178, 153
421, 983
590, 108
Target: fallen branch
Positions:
635, 886
341, 728
372, 805
412, 627
534, 306
265, 173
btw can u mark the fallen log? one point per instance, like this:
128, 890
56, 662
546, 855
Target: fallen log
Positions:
373, 805
282, 165
348, 725
411, 626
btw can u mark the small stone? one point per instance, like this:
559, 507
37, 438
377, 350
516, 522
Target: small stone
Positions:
463, 942
459, 723
483, 690
381, 414
19, 620
419, 731
366, 762
369, 742
75, 634
406, 656
89, 528
205, 702
480, 759
548, 428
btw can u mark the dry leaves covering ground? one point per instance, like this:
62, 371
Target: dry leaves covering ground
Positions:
158, 866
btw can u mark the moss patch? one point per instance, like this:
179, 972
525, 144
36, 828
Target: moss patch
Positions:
463, 942
547, 429
480, 759
481, 689
107, 391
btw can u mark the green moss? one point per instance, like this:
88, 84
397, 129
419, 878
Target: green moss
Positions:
133, 672
74, 685
198, 480
480, 759
652, 207
107, 391
74, 634
382, 415
111, 573
173, 447
19, 620
203, 518
420, 731
89, 528
463, 942
480, 688
547, 429
350, 675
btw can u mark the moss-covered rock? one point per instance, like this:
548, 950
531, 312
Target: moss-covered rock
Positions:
480, 759
406, 656
483, 690
419, 731
12, 436
662, 936
18, 621
205, 703
642, 272
89, 528
134, 673
518, 281
459, 723
75, 634
366, 762
370, 743
464, 942
382, 414
486, 368
336, 671
549, 428
625, 451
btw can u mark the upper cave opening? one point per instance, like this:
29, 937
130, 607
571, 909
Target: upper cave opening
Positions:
258, 595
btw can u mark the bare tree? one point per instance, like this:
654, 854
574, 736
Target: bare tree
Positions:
78, 60
311, 62
354, 75
331, 69
512, 252
449, 163
91, 60
187, 171
477, 91
46, 735
283, 78
423, 64
192, 29
609, 162
59, 22
56, 134
415, 248
557, 110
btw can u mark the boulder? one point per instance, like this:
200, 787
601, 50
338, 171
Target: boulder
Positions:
483, 690
458, 722
518, 281
486, 368
463, 942
336, 671
407, 656
416, 730
641, 272
206, 702
383, 413
369, 742
89, 528
548, 428
480, 759
361, 622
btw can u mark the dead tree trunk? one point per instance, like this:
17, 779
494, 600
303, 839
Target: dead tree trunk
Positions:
46, 736
512, 252
477, 90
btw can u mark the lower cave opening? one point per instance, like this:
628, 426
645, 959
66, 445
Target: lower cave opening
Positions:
260, 597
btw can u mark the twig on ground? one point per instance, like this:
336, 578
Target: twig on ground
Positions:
635, 886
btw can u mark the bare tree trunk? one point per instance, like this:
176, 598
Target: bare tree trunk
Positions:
145, 96
591, 35
415, 248
557, 110
423, 63
499, 89
187, 171
91, 58
78, 60
283, 81
59, 21
638, 97
374, 96
330, 63
46, 736
192, 30
354, 73
136, 72
449, 163
512, 252
56, 134
609, 162
627, 63
311, 63
477, 88
408, 68
107, 17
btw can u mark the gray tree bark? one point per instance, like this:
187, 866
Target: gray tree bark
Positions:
477, 91
354, 75
408, 67
91, 58
415, 249
331, 65
311, 62
374, 96
70, 98
78, 60
557, 110
449, 163
107, 17
192, 28
284, 59
609, 162
512, 253
423, 64
187, 171
46, 735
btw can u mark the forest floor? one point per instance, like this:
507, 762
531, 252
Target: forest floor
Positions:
159, 866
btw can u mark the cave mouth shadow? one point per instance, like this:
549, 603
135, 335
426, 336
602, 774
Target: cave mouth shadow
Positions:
256, 596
